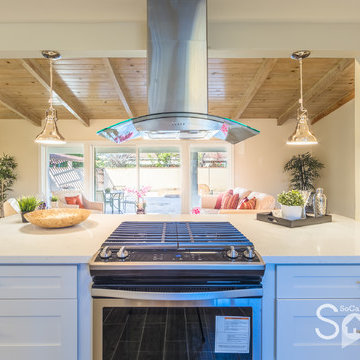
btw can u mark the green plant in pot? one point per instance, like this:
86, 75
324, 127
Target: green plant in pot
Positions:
54, 201
8, 166
304, 169
27, 204
292, 203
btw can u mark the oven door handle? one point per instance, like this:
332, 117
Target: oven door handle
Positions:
176, 296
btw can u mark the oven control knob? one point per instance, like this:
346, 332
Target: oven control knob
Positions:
232, 253
105, 252
249, 253
122, 253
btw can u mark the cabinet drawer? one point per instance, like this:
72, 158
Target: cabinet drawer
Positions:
318, 282
38, 282
38, 329
302, 334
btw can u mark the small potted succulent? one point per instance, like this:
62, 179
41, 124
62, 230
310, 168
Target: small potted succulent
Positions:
27, 204
292, 203
54, 202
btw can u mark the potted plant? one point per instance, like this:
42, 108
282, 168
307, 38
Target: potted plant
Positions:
304, 170
7, 178
54, 202
292, 203
140, 198
27, 204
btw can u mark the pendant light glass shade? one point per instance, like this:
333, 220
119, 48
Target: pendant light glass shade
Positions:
302, 134
50, 133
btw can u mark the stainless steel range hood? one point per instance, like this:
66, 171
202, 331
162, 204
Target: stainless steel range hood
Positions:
177, 80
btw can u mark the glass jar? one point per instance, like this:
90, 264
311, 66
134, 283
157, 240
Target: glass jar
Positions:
319, 203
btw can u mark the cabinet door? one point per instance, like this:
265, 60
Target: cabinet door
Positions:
38, 282
318, 281
318, 329
38, 329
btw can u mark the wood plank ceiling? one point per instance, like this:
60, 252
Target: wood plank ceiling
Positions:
96, 88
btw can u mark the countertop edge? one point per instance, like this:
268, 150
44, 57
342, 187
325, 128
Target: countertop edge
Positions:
275, 260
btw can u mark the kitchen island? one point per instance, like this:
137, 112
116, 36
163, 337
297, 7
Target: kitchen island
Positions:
306, 268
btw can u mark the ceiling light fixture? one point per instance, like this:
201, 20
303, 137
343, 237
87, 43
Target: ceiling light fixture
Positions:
50, 133
302, 134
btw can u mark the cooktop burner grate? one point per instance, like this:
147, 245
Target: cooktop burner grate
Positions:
131, 232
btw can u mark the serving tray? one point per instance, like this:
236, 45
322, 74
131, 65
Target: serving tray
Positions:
309, 220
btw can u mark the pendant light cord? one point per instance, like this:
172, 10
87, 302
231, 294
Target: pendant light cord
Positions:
51, 85
301, 86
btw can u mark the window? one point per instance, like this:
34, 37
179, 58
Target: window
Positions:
210, 172
115, 169
65, 168
175, 174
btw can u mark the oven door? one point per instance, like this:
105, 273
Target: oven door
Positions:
186, 326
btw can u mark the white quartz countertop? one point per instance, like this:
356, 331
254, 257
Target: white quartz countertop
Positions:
336, 242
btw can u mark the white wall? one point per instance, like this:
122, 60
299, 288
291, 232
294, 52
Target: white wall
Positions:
337, 151
259, 160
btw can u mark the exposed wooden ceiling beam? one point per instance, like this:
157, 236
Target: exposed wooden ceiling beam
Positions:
333, 107
19, 110
318, 88
60, 90
257, 81
118, 86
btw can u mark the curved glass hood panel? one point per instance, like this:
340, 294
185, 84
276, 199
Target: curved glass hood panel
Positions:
178, 126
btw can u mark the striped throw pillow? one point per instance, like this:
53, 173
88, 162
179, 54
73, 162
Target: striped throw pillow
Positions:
230, 201
246, 204
225, 198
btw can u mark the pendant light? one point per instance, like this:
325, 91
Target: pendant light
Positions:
50, 133
302, 134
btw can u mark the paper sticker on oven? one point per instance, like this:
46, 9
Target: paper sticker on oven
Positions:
232, 334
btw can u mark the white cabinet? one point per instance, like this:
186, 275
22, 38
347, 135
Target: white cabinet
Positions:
38, 329
38, 282
318, 281
301, 334
317, 312
38, 312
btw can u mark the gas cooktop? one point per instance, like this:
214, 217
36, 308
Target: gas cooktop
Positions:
143, 232
176, 245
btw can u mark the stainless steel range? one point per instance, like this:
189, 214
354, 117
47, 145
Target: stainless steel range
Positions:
184, 290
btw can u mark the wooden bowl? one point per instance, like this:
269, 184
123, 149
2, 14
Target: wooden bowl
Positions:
57, 218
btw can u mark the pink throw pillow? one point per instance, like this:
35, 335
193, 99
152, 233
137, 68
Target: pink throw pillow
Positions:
219, 201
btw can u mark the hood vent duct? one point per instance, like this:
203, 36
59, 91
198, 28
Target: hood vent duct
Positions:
177, 80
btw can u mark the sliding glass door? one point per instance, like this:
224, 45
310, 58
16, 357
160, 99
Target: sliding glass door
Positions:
115, 172
160, 176
210, 172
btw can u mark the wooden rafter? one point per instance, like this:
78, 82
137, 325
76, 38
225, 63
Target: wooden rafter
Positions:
19, 110
60, 90
333, 107
318, 88
257, 81
116, 81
